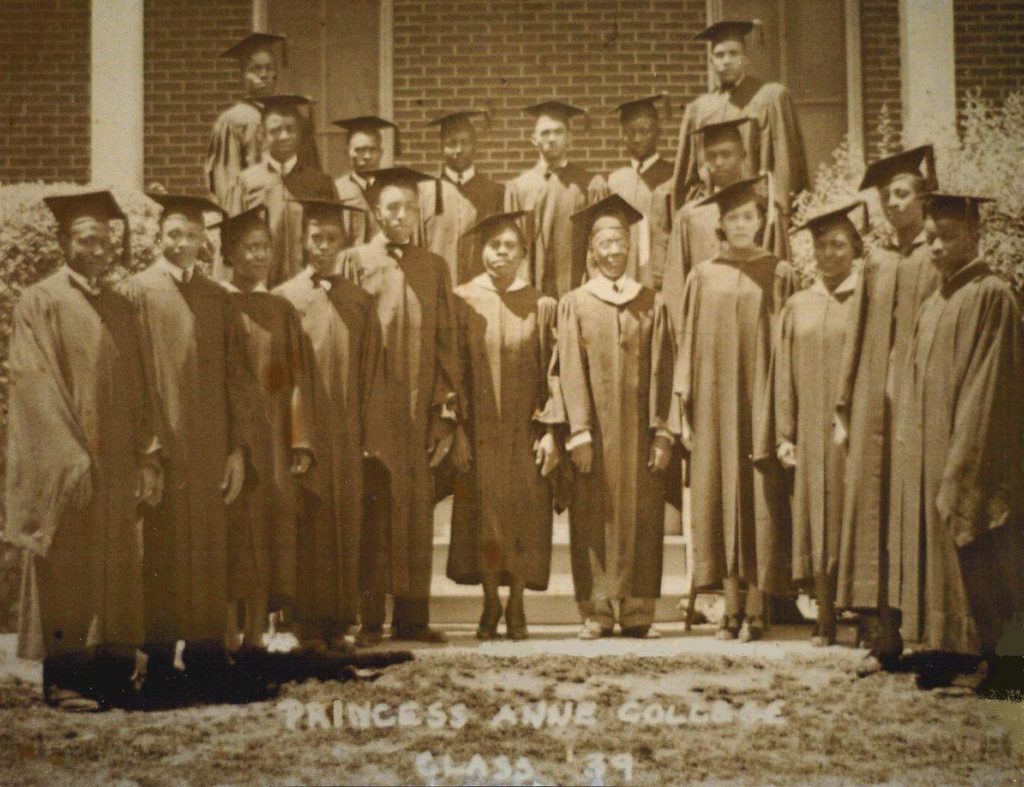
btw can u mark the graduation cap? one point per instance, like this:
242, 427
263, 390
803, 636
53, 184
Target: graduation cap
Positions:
967, 207
489, 226
234, 227
193, 206
728, 30
397, 176
613, 206
713, 133
325, 210
558, 110
454, 120
284, 103
880, 174
370, 124
639, 106
739, 193
829, 218
99, 205
255, 42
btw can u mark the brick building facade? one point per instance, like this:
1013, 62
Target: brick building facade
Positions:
440, 53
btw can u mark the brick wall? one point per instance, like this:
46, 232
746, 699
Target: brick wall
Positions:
989, 47
44, 90
505, 55
187, 83
880, 63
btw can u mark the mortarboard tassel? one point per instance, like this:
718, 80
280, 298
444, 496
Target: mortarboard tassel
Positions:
668, 209
438, 196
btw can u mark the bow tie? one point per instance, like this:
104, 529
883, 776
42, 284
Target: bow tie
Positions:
395, 250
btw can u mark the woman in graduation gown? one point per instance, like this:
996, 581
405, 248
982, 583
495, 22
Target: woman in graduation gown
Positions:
807, 375
501, 521
730, 311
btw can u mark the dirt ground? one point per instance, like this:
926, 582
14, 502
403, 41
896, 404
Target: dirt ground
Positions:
682, 709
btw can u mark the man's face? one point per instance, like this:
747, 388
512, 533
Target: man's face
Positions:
250, 255
87, 247
503, 253
397, 212
609, 248
724, 160
551, 138
641, 135
324, 242
260, 73
181, 238
901, 202
833, 252
740, 226
459, 148
282, 132
952, 243
729, 61
364, 151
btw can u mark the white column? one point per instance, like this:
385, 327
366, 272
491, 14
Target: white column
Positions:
386, 97
927, 70
117, 93
854, 79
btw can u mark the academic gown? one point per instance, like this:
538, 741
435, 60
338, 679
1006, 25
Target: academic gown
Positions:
359, 227
78, 404
261, 185
441, 233
808, 354
418, 382
955, 536
501, 520
642, 190
265, 529
615, 360
889, 292
552, 198
341, 336
197, 367
488, 197
777, 143
237, 143
730, 315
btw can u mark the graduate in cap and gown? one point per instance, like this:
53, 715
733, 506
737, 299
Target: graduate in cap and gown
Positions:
731, 306
462, 195
505, 446
894, 282
642, 183
614, 390
82, 454
807, 368
365, 153
956, 524
197, 368
281, 453
775, 141
413, 408
342, 339
237, 140
551, 191
277, 181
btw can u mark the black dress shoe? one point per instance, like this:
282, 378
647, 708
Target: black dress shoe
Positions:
489, 619
368, 636
426, 634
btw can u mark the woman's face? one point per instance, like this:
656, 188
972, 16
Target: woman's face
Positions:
503, 253
250, 255
741, 225
834, 252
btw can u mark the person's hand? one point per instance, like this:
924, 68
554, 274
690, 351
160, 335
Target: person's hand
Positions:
81, 495
442, 435
787, 454
597, 189
686, 434
302, 460
546, 454
234, 476
149, 487
583, 457
462, 454
840, 430
661, 452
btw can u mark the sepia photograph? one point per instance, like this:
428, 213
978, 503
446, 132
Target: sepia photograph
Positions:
511, 392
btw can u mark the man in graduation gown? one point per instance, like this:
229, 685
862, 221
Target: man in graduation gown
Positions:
342, 339
82, 450
614, 373
551, 191
263, 535
641, 183
237, 139
775, 140
194, 345
893, 284
277, 181
365, 152
413, 407
466, 195
956, 527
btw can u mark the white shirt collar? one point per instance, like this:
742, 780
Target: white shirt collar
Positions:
284, 169
642, 166
484, 282
92, 287
230, 287
844, 287
175, 272
359, 180
618, 292
460, 177
542, 165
